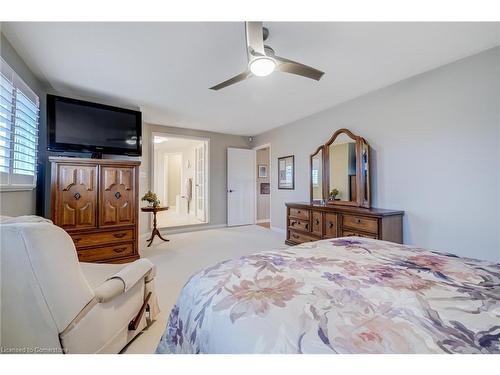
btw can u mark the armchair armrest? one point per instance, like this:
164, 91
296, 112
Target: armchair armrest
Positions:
123, 280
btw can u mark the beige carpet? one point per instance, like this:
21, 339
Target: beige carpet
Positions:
187, 253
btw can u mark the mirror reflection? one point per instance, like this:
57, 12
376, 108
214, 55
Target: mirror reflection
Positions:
365, 170
342, 169
317, 176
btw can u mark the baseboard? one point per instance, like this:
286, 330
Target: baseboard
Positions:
279, 230
186, 229
263, 221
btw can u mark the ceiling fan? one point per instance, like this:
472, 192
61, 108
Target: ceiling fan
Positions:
262, 60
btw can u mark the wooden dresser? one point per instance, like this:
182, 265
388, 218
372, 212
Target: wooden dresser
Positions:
308, 222
96, 202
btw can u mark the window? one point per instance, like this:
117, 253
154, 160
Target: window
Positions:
315, 172
19, 118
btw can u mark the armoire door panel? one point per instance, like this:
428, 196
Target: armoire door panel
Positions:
68, 215
109, 213
118, 196
109, 178
76, 196
86, 214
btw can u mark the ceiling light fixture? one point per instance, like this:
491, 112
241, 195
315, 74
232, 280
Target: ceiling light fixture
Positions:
262, 66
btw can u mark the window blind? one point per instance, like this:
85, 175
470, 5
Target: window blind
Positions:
19, 119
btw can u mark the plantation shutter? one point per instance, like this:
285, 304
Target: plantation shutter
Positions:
19, 118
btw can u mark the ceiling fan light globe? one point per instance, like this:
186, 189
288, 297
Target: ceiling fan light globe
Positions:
262, 66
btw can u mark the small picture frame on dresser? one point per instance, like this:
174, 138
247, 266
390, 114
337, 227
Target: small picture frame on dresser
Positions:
286, 172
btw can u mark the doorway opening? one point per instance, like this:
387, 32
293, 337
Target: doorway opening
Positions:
180, 179
263, 190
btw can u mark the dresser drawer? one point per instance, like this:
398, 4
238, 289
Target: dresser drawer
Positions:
298, 237
298, 224
299, 213
317, 223
106, 252
366, 224
101, 238
350, 233
330, 225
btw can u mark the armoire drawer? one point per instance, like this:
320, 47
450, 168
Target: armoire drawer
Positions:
299, 224
298, 237
299, 213
366, 224
106, 252
317, 223
330, 225
99, 238
350, 233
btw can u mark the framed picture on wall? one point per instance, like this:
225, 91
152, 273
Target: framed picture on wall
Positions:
262, 169
286, 172
265, 188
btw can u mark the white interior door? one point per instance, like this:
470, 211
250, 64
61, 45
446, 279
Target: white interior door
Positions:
200, 182
240, 186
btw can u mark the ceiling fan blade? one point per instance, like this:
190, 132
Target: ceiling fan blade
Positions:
293, 67
255, 39
232, 81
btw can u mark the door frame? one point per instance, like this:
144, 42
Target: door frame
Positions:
207, 164
265, 145
195, 197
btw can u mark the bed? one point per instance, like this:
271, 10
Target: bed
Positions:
344, 295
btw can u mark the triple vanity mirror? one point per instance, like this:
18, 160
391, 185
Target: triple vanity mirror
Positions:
340, 171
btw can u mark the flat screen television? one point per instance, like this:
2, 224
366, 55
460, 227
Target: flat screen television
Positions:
77, 125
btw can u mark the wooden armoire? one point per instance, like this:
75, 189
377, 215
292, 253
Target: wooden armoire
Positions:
96, 202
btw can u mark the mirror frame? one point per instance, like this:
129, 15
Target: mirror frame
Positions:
323, 181
361, 199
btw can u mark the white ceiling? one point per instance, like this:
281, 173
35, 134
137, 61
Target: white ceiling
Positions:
167, 68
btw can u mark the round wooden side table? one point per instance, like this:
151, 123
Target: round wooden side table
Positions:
155, 231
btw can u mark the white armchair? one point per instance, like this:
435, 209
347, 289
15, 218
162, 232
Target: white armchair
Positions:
50, 302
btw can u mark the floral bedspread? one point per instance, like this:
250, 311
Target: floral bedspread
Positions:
346, 295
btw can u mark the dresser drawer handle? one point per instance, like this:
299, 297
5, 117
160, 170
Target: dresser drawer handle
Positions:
293, 223
77, 196
119, 249
306, 226
119, 235
298, 211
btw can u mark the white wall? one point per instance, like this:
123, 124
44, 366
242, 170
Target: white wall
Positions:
435, 140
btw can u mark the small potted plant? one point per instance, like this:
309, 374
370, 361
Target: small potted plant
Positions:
151, 198
333, 194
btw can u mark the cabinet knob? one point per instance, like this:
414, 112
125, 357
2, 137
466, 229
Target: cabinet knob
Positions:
331, 225
317, 221
117, 195
77, 196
